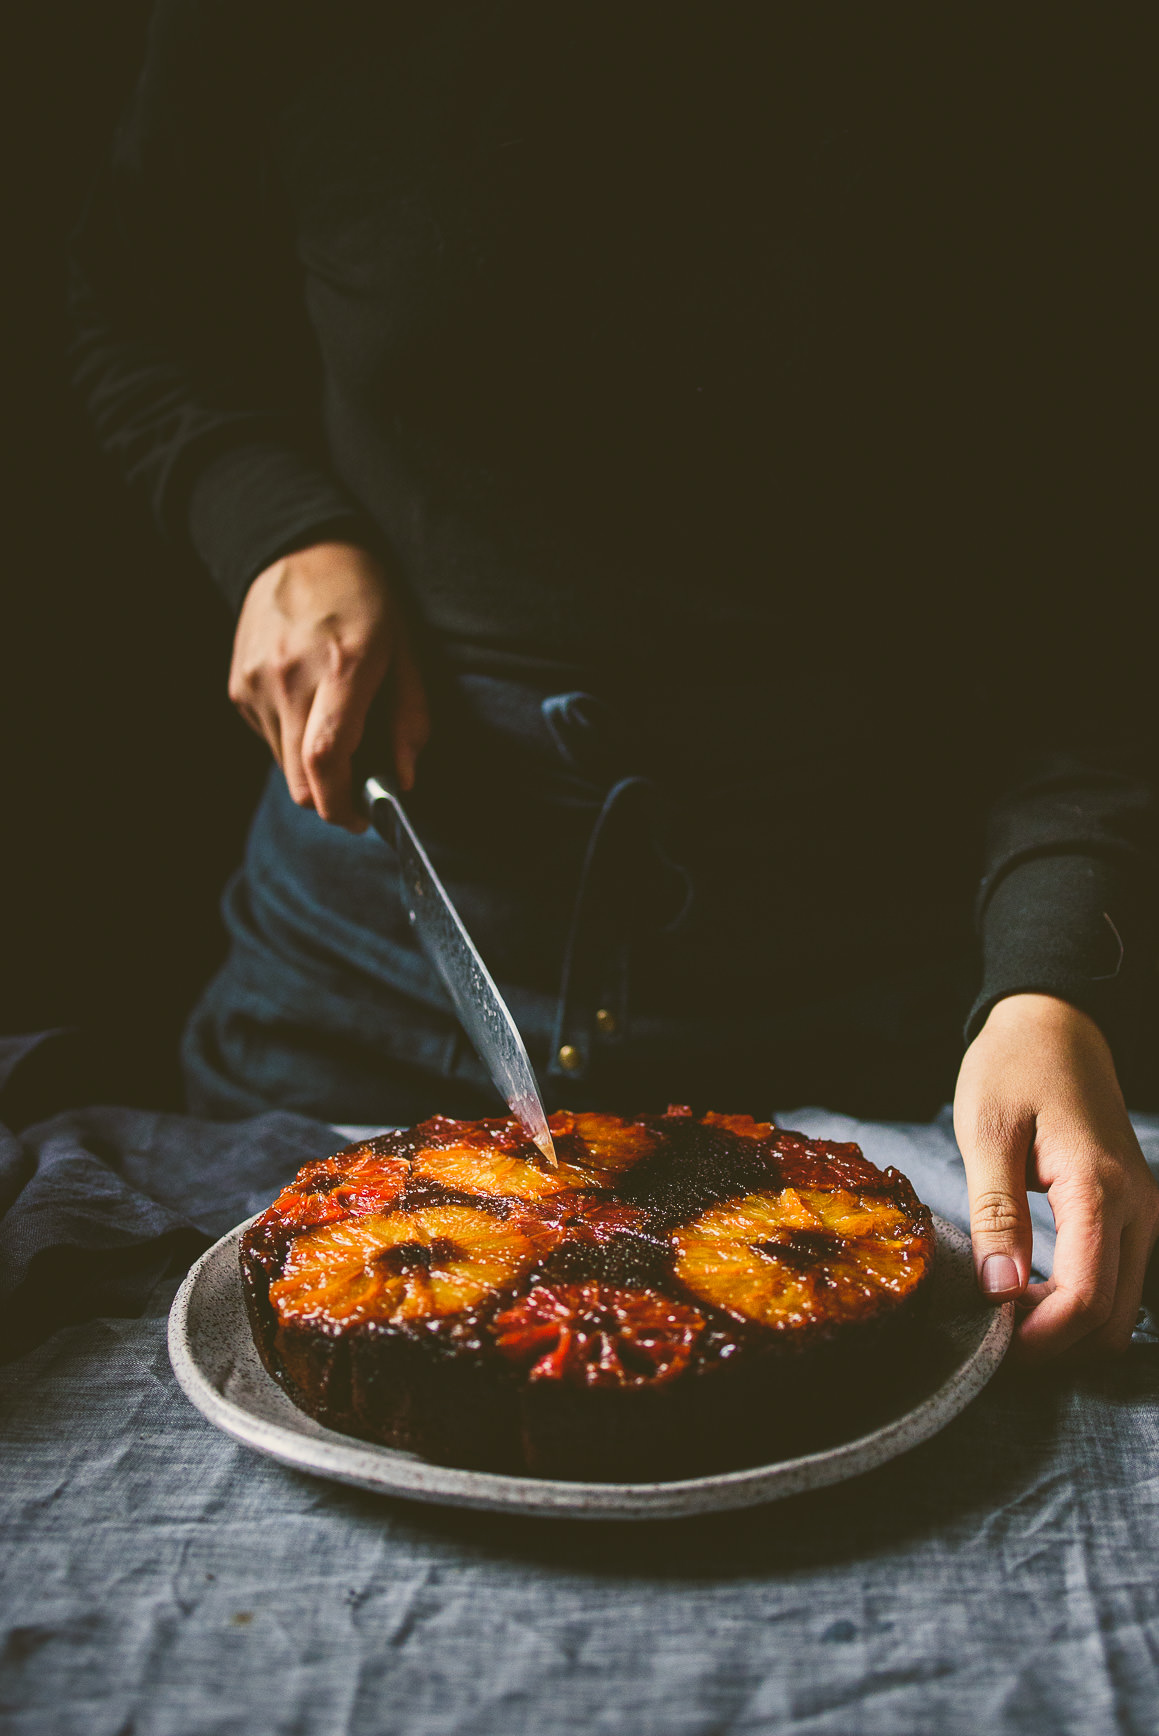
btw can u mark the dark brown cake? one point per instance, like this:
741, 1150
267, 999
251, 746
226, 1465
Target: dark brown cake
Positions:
683, 1294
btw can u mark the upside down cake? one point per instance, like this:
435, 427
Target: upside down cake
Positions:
682, 1294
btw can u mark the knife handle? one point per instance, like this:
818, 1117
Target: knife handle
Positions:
380, 801
373, 758
378, 787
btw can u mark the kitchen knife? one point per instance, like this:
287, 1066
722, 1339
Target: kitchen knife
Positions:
482, 1011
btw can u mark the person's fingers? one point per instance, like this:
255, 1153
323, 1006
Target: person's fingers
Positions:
291, 694
274, 701
1033, 1294
333, 731
252, 717
1084, 1282
1135, 1247
255, 707
994, 1152
410, 716
269, 726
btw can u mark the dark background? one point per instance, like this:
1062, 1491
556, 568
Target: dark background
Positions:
128, 778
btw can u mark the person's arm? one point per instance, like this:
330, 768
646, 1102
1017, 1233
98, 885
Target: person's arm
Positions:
200, 371
1067, 915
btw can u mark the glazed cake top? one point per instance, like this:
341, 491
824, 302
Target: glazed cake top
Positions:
659, 1241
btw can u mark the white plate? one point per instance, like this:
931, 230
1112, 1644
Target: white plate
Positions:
214, 1358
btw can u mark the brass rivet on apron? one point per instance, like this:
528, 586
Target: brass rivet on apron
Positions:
606, 1021
569, 1057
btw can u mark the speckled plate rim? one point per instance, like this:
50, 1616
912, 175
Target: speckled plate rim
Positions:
305, 1445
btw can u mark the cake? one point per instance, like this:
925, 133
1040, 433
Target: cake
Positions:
681, 1294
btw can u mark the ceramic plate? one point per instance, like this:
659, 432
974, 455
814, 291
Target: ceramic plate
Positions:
214, 1358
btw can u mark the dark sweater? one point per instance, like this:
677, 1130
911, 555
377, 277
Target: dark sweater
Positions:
657, 351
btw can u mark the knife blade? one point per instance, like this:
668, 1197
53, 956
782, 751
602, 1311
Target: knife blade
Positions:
483, 1013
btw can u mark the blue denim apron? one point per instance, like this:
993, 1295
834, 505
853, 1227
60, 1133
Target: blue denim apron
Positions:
668, 921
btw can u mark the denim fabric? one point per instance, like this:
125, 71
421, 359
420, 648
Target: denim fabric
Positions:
697, 909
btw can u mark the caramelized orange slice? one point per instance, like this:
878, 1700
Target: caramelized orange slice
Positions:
398, 1267
612, 1144
744, 1125
801, 1255
333, 1187
483, 1169
597, 1334
578, 1219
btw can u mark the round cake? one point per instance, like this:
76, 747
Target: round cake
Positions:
682, 1294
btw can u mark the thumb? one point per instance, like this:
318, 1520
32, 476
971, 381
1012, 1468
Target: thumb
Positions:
995, 1159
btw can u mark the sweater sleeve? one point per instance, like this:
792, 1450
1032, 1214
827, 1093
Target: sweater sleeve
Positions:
192, 345
1067, 901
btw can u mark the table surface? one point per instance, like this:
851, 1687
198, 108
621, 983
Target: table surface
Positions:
162, 1580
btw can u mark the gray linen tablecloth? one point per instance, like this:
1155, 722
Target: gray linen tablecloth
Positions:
160, 1580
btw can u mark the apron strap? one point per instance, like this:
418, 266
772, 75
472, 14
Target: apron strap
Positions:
619, 893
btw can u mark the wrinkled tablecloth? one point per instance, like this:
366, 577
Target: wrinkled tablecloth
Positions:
160, 1580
